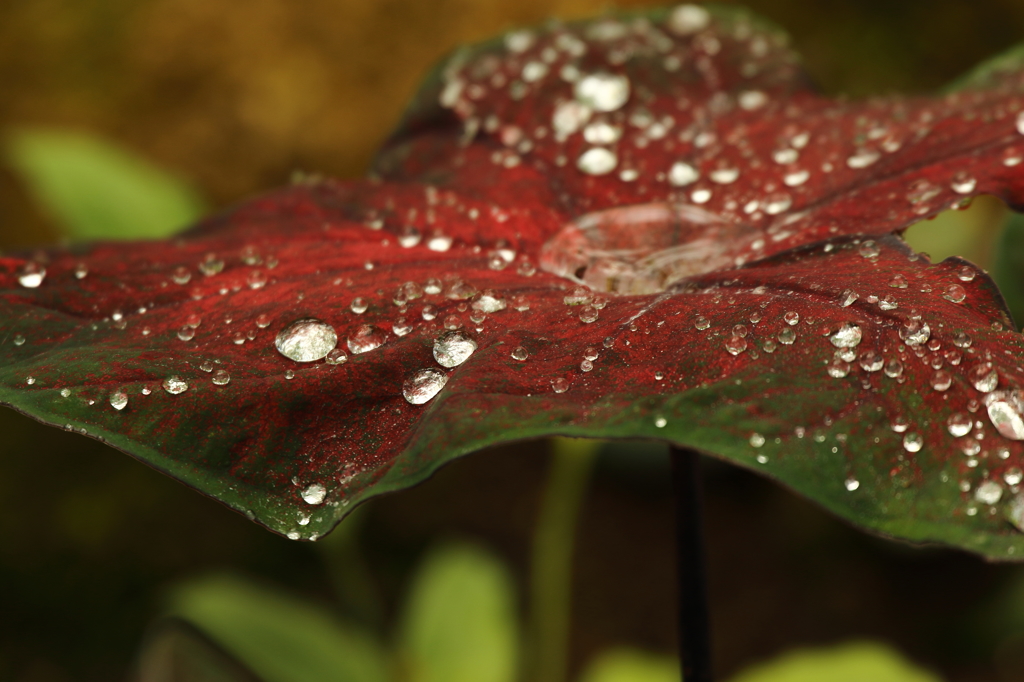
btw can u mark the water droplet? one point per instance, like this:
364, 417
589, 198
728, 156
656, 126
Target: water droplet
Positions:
336, 357
602, 91
206, 366
423, 385
588, 315
851, 484
409, 237
1006, 410
966, 274
863, 158
954, 293
221, 378
31, 275
453, 348
65, 393
559, 385
365, 339
898, 282
257, 279
962, 340
186, 333
701, 323
119, 400
175, 385
724, 176
682, 174
869, 249
893, 368
791, 318
289, 374
359, 305
983, 377
756, 440
263, 321
740, 331
871, 361
750, 100
963, 183
777, 202
314, 494
941, 381
838, 369
686, 20
81, 271
959, 424
796, 178
660, 422
988, 492
601, 132
899, 424
736, 345
489, 302
915, 332
569, 117
18, 340
1020, 123
913, 442
211, 265
888, 302
452, 322
1013, 476
306, 340
439, 242
787, 337
519, 353
848, 336
597, 161
586, 366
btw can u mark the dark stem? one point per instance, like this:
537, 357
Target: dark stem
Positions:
694, 617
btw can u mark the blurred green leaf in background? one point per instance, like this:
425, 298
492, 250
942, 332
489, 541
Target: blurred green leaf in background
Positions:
95, 189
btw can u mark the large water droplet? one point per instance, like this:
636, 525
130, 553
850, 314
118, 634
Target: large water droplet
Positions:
848, 336
306, 340
119, 400
314, 494
1006, 410
453, 348
913, 442
602, 91
365, 339
31, 275
423, 385
686, 20
871, 361
983, 377
954, 293
175, 385
489, 302
915, 332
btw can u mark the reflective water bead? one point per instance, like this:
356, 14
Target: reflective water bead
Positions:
941, 381
257, 279
963, 183
989, 492
314, 494
757, 440
1013, 476
18, 340
838, 369
736, 345
306, 340
954, 293
263, 321
913, 442
206, 366
31, 275
871, 361
119, 400
186, 333
899, 424
863, 158
519, 353
688, 19
888, 302
966, 274
959, 424
787, 337
489, 302
740, 331
869, 249
962, 340
660, 422
983, 377
701, 323
588, 315
915, 332
359, 305
791, 318
366, 338
221, 378
336, 357
602, 91
1006, 411
724, 176
682, 174
898, 282
597, 161
848, 336
586, 366
211, 265
453, 348
423, 385
560, 385
175, 385
851, 484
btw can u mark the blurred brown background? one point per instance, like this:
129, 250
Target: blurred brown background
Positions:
234, 95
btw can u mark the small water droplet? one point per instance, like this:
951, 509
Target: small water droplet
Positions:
791, 318
796, 178
963, 183
682, 174
423, 385
306, 340
211, 265
959, 424
588, 315
869, 249
863, 158
787, 337
359, 305
65, 393
519, 353
586, 366
119, 400
660, 422
489, 302
913, 442
221, 378
724, 176
175, 385
336, 357
941, 381
453, 348
898, 282
962, 340
966, 274
736, 345
888, 302
602, 91
988, 492
851, 484
893, 368
1013, 476
559, 385
186, 333
597, 161
688, 19
257, 279
838, 368
18, 340
848, 336
871, 361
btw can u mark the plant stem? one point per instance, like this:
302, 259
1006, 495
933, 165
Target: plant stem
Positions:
551, 569
694, 616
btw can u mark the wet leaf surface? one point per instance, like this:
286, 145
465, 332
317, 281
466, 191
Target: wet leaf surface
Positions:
644, 227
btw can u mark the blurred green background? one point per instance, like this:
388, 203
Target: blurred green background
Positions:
233, 97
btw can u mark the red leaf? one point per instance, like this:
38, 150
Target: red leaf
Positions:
749, 304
